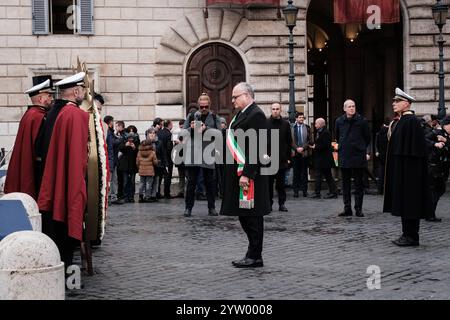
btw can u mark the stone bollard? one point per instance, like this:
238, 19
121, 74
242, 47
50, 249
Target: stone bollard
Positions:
30, 268
30, 206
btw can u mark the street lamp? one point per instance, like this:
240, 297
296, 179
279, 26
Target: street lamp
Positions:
440, 12
290, 15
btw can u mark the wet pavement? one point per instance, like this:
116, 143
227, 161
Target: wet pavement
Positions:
150, 251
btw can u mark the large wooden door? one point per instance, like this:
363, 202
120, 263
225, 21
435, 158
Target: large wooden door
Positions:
214, 69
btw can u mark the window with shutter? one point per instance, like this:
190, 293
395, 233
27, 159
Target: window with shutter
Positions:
86, 17
40, 17
63, 17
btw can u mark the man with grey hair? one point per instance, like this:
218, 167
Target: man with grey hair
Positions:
247, 193
353, 137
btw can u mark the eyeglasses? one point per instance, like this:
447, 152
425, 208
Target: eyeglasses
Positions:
203, 107
235, 97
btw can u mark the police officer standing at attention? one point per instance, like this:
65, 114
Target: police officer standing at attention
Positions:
406, 192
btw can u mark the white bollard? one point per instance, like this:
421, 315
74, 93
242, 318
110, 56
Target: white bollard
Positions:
2, 184
30, 206
30, 268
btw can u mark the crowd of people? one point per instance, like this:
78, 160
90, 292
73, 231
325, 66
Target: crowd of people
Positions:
413, 156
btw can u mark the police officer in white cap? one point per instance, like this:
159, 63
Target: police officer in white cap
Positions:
406, 187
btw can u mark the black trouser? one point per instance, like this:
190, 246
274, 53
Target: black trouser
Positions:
219, 176
58, 232
192, 177
168, 180
182, 179
279, 178
254, 228
437, 188
410, 228
300, 181
319, 172
381, 170
120, 186
357, 174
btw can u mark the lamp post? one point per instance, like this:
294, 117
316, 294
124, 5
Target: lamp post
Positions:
290, 15
440, 12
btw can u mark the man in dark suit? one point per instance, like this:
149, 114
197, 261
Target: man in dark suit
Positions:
276, 122
323, 160
353, 137
302, 141
250, 211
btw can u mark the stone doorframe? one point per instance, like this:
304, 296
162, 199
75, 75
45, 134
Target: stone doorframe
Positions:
406, 30
177, 45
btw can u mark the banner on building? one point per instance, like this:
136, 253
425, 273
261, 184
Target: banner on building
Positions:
359, 11
244, 2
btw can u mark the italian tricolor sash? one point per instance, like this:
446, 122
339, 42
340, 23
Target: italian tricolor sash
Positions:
246, 197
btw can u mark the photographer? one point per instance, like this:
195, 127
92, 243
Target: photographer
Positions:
438, 141
127, 162
203, 120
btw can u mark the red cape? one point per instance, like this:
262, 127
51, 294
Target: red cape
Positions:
20, 177
63, 188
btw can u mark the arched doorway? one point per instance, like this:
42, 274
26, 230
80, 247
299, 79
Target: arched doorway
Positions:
214, 69
351, 61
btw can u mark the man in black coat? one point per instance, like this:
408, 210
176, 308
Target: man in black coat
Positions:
438, 141
406, 193
323, 160
250, 116
276, 122
353, 137
165, 136
381, 148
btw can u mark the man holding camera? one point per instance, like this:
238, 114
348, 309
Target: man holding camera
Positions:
204, 120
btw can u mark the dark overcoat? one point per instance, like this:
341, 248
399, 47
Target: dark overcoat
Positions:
406, 182
353, 138
252, 118
322, 154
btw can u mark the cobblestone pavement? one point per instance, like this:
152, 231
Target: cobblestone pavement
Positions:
150, 251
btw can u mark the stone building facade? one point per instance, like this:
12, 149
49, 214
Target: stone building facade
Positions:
149, 58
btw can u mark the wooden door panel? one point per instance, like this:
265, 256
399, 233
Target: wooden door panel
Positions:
214, 69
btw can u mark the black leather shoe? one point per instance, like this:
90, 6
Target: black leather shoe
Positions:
295, 194
359, 214
248, 263
283, 208
433, 219
331, 196
180, 195
212, 212
316, 196
345, 214
305, 194
187, 212
119, 201
405, 241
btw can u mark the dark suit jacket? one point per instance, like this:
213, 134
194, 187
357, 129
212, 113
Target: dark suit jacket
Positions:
252, 118
306, 142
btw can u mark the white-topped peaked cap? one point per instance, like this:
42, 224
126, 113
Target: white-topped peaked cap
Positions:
40, 84
72, 81
400, 94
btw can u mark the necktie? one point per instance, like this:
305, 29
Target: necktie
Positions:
300, 135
